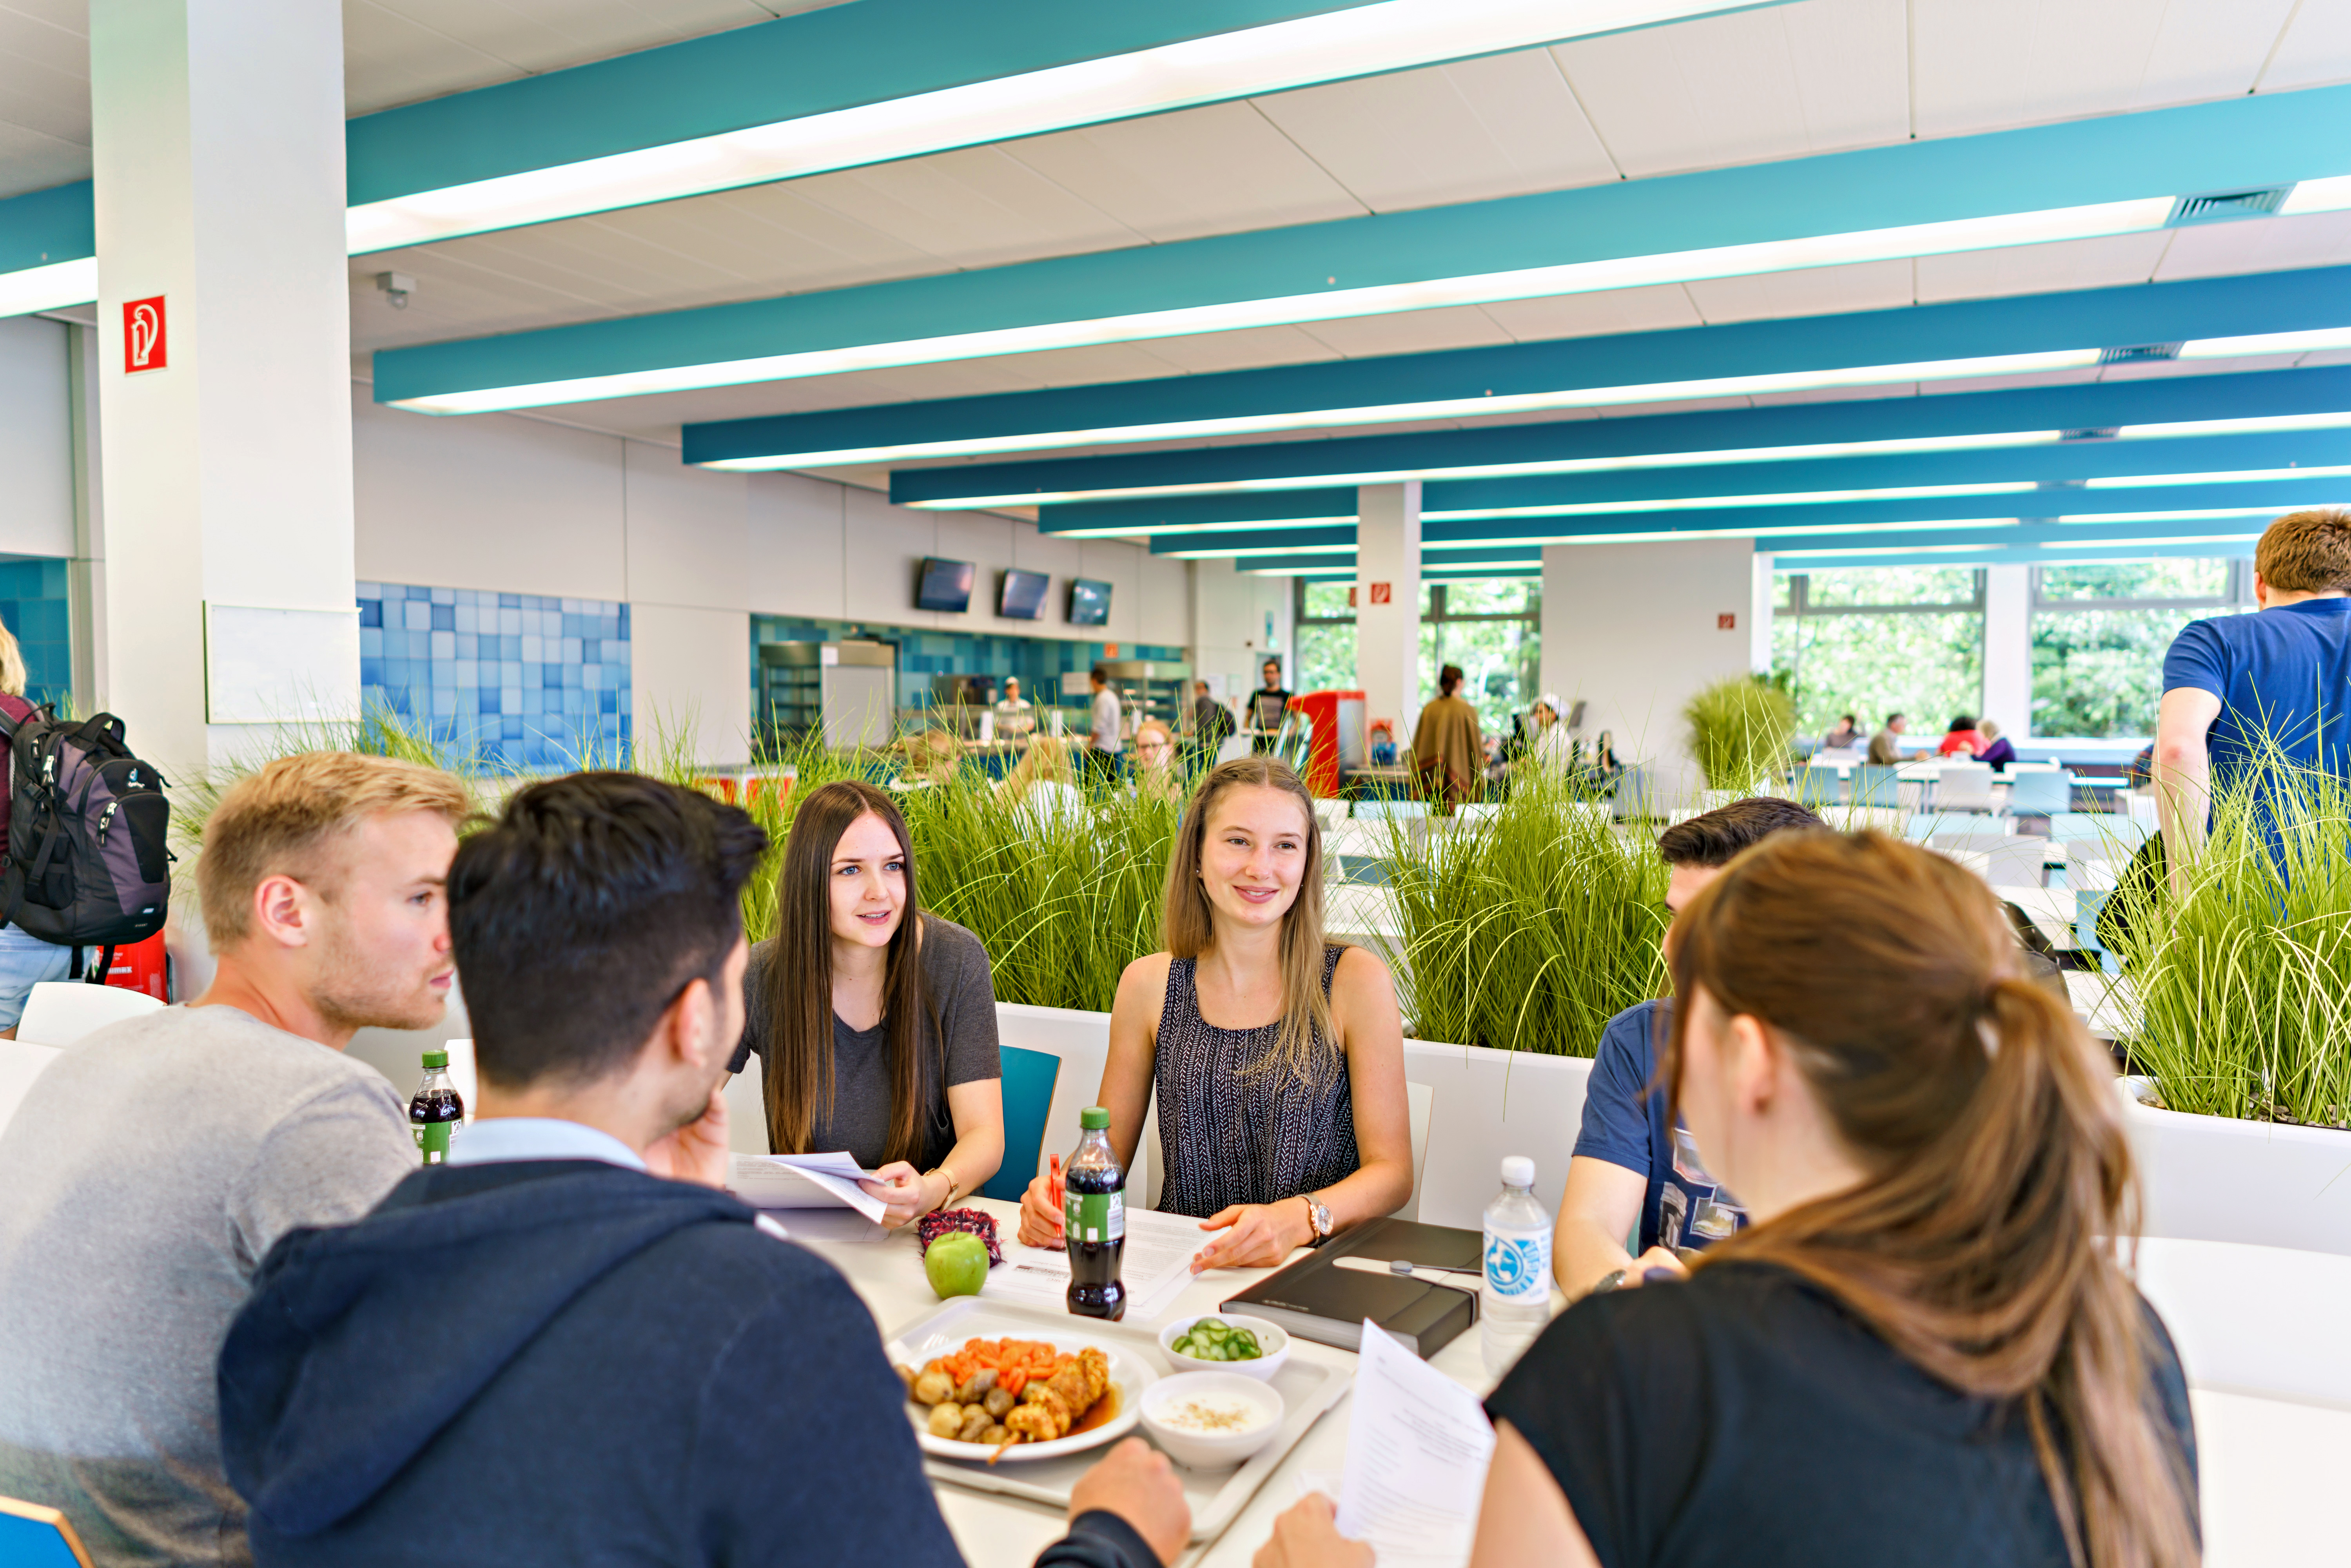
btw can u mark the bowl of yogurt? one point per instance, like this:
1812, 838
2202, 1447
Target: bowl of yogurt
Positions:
1210, 1420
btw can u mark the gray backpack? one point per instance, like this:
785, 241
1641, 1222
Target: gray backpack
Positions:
87, 865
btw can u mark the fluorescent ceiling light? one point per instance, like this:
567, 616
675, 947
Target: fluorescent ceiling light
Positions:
2097, 517
50, 287
1880, 549
1486, 406
1705, 503
2229, 477
1362, 40
1129, 530
1302, 571
2258, 425
1646, 460
1661, 535
2328, 195
2142, 544
1211, 552
2266, 343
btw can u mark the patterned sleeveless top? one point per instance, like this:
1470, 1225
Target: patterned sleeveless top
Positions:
1224, 1139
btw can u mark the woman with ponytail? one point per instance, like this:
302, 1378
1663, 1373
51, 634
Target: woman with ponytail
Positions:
1923, 1349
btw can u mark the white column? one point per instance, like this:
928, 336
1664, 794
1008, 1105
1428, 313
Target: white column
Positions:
2008, 648
217, 142
1387, 603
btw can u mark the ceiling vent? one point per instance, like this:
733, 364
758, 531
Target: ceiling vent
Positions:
2095, 432
2220, 206
2139, 352
2063, 485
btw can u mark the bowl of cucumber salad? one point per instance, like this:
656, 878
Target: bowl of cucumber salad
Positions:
1225, 1343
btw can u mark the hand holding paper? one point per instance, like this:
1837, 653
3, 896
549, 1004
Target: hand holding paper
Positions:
1418, 1447
803, 1181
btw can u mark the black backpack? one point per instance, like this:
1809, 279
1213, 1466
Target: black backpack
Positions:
87, 865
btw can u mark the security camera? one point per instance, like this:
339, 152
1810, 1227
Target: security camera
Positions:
396, 286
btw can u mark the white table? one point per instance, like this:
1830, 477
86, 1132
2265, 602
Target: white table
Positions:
2264, 1460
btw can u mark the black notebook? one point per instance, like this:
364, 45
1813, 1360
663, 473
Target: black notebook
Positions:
1316, 1299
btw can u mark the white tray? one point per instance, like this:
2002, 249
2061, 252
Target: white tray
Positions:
1308, 1388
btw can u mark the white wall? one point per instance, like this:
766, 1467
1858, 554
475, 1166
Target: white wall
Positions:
1228, 633
1634, 629
36, 439
2008, 648
520, 506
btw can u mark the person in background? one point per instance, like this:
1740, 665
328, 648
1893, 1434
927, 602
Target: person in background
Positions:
1885, 746
157, 1160
565, 1345
1103, 741
1268, 704
875, 1023
1634, 1172
1447, 749
1016, 716
1963, 737
1925, 1348
1278, 1057
1551, 751
1384, 745
2241, 691
1843, 736
1998, 750
932, 757
25, 959
1212, 724
1042, 788
1155, 772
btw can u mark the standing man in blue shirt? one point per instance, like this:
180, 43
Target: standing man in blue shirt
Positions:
1631, 1168
2237, 688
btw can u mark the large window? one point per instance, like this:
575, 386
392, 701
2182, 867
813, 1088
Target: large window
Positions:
2099, 633
1874, 641
1490, 627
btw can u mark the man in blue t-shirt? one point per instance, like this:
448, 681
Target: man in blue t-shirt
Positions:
2238, 689
1630, 1170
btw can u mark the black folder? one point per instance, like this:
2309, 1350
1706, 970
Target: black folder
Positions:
1315, 1299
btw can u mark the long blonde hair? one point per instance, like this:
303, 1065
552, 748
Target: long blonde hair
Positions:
1303, 1046
13, 677
1981, 1247
1047, 760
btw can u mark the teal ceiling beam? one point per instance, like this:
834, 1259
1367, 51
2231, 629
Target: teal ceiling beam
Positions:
1919, 342
42, 228
2116, 174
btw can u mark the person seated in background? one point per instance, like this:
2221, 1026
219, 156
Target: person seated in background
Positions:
1155, 761
931, 757
1212, 724
567, 1345
1633, 1172
1550, 751
1016, 716
1842, 736
152, 1164
1885, 746
875, 1023
1924, 1349
1998, 750
1963, 738
1447, 748
1042, 787
1278, 1057
1384, 745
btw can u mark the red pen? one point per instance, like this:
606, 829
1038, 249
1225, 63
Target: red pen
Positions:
1053, 1183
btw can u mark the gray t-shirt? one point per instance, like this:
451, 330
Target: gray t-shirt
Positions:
1106, 726
141, 1181
956, 975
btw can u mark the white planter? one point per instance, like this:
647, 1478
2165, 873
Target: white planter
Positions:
2215, 1178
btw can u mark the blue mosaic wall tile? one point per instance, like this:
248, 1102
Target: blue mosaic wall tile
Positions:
33, 606
1040, 661
517, 680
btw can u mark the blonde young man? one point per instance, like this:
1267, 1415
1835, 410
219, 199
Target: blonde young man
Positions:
153, 1164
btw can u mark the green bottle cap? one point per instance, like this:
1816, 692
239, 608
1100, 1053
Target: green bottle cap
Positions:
436, 1058
1094, 1119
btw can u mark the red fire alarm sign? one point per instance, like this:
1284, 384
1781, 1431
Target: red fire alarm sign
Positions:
1726, 622
1381, 593
143, 341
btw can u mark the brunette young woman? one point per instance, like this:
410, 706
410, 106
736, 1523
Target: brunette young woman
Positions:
1923, 1349
1278, 1057
875, 1023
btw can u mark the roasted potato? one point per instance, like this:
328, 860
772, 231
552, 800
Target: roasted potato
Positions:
974, 1422
999, 1401
947, 1419
977, 1385
994, 1437
934, 1386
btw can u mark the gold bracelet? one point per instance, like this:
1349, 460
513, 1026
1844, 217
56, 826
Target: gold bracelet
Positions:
955, 1188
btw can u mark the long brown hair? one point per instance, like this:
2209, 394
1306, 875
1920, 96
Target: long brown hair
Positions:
1303, 1045
799, 983
1980, 1246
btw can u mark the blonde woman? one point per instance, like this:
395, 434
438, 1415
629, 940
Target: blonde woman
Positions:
25, 959
931, 757
1278, 1056
1155, 775
1044, 786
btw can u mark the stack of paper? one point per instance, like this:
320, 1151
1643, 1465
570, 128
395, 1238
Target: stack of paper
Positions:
802, 1181
1417, 1448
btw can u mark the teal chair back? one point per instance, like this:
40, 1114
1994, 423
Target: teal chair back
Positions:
1819, 786
2087, 907
1028, 1080
32, 1536
2040, 794
1876, 786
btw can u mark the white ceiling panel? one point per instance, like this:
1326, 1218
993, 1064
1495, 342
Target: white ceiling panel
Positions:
1497, 127
978, 207
1200, 171
1249, 349
2315, 50
31, 161
2259, 245
1778, 82
1813, 291
1650, 310
44, 78
1410, 332
2104, 263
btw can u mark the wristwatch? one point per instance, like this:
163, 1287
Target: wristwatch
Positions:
955, 1187
1318, 1219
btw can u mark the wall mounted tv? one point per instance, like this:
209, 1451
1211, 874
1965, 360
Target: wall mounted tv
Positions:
1022, 597
944, 585
1089, 602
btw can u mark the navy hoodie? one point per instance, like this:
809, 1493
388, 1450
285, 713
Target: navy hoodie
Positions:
571, 1361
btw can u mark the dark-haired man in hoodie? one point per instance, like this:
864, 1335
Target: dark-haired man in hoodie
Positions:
567, 1345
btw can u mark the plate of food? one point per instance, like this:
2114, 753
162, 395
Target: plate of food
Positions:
1013, 1399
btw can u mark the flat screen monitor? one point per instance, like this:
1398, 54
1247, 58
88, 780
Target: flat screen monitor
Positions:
946, 585
1089, 602
1022, 597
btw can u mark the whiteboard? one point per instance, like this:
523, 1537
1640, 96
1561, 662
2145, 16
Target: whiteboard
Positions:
280, 667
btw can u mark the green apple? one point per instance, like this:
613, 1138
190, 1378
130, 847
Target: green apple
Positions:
956, 1264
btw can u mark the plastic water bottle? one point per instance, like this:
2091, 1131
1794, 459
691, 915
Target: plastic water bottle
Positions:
1515, 1304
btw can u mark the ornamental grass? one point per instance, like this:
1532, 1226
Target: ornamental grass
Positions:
1741, 730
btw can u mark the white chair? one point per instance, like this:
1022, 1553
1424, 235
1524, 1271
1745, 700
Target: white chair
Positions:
59, 1013
1964, 787
2263, 1321
21, 1061
1492, 1103
747, 1110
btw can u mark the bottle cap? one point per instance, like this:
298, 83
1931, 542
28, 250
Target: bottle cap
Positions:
1517, 1171
1094, 1118
436, 1058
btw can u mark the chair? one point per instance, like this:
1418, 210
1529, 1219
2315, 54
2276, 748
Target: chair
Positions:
746, 1109
1964, 787
2088, 905
1820, 784
32, 1536
21, 1061
2040, 794
59, 1013
1877, 786
1028, 1080
2010, 860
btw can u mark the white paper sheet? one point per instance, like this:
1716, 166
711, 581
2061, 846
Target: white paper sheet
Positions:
1155, 1267
802, 1181
1418, 1447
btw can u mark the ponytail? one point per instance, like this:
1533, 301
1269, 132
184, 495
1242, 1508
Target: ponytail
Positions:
1980, 1250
